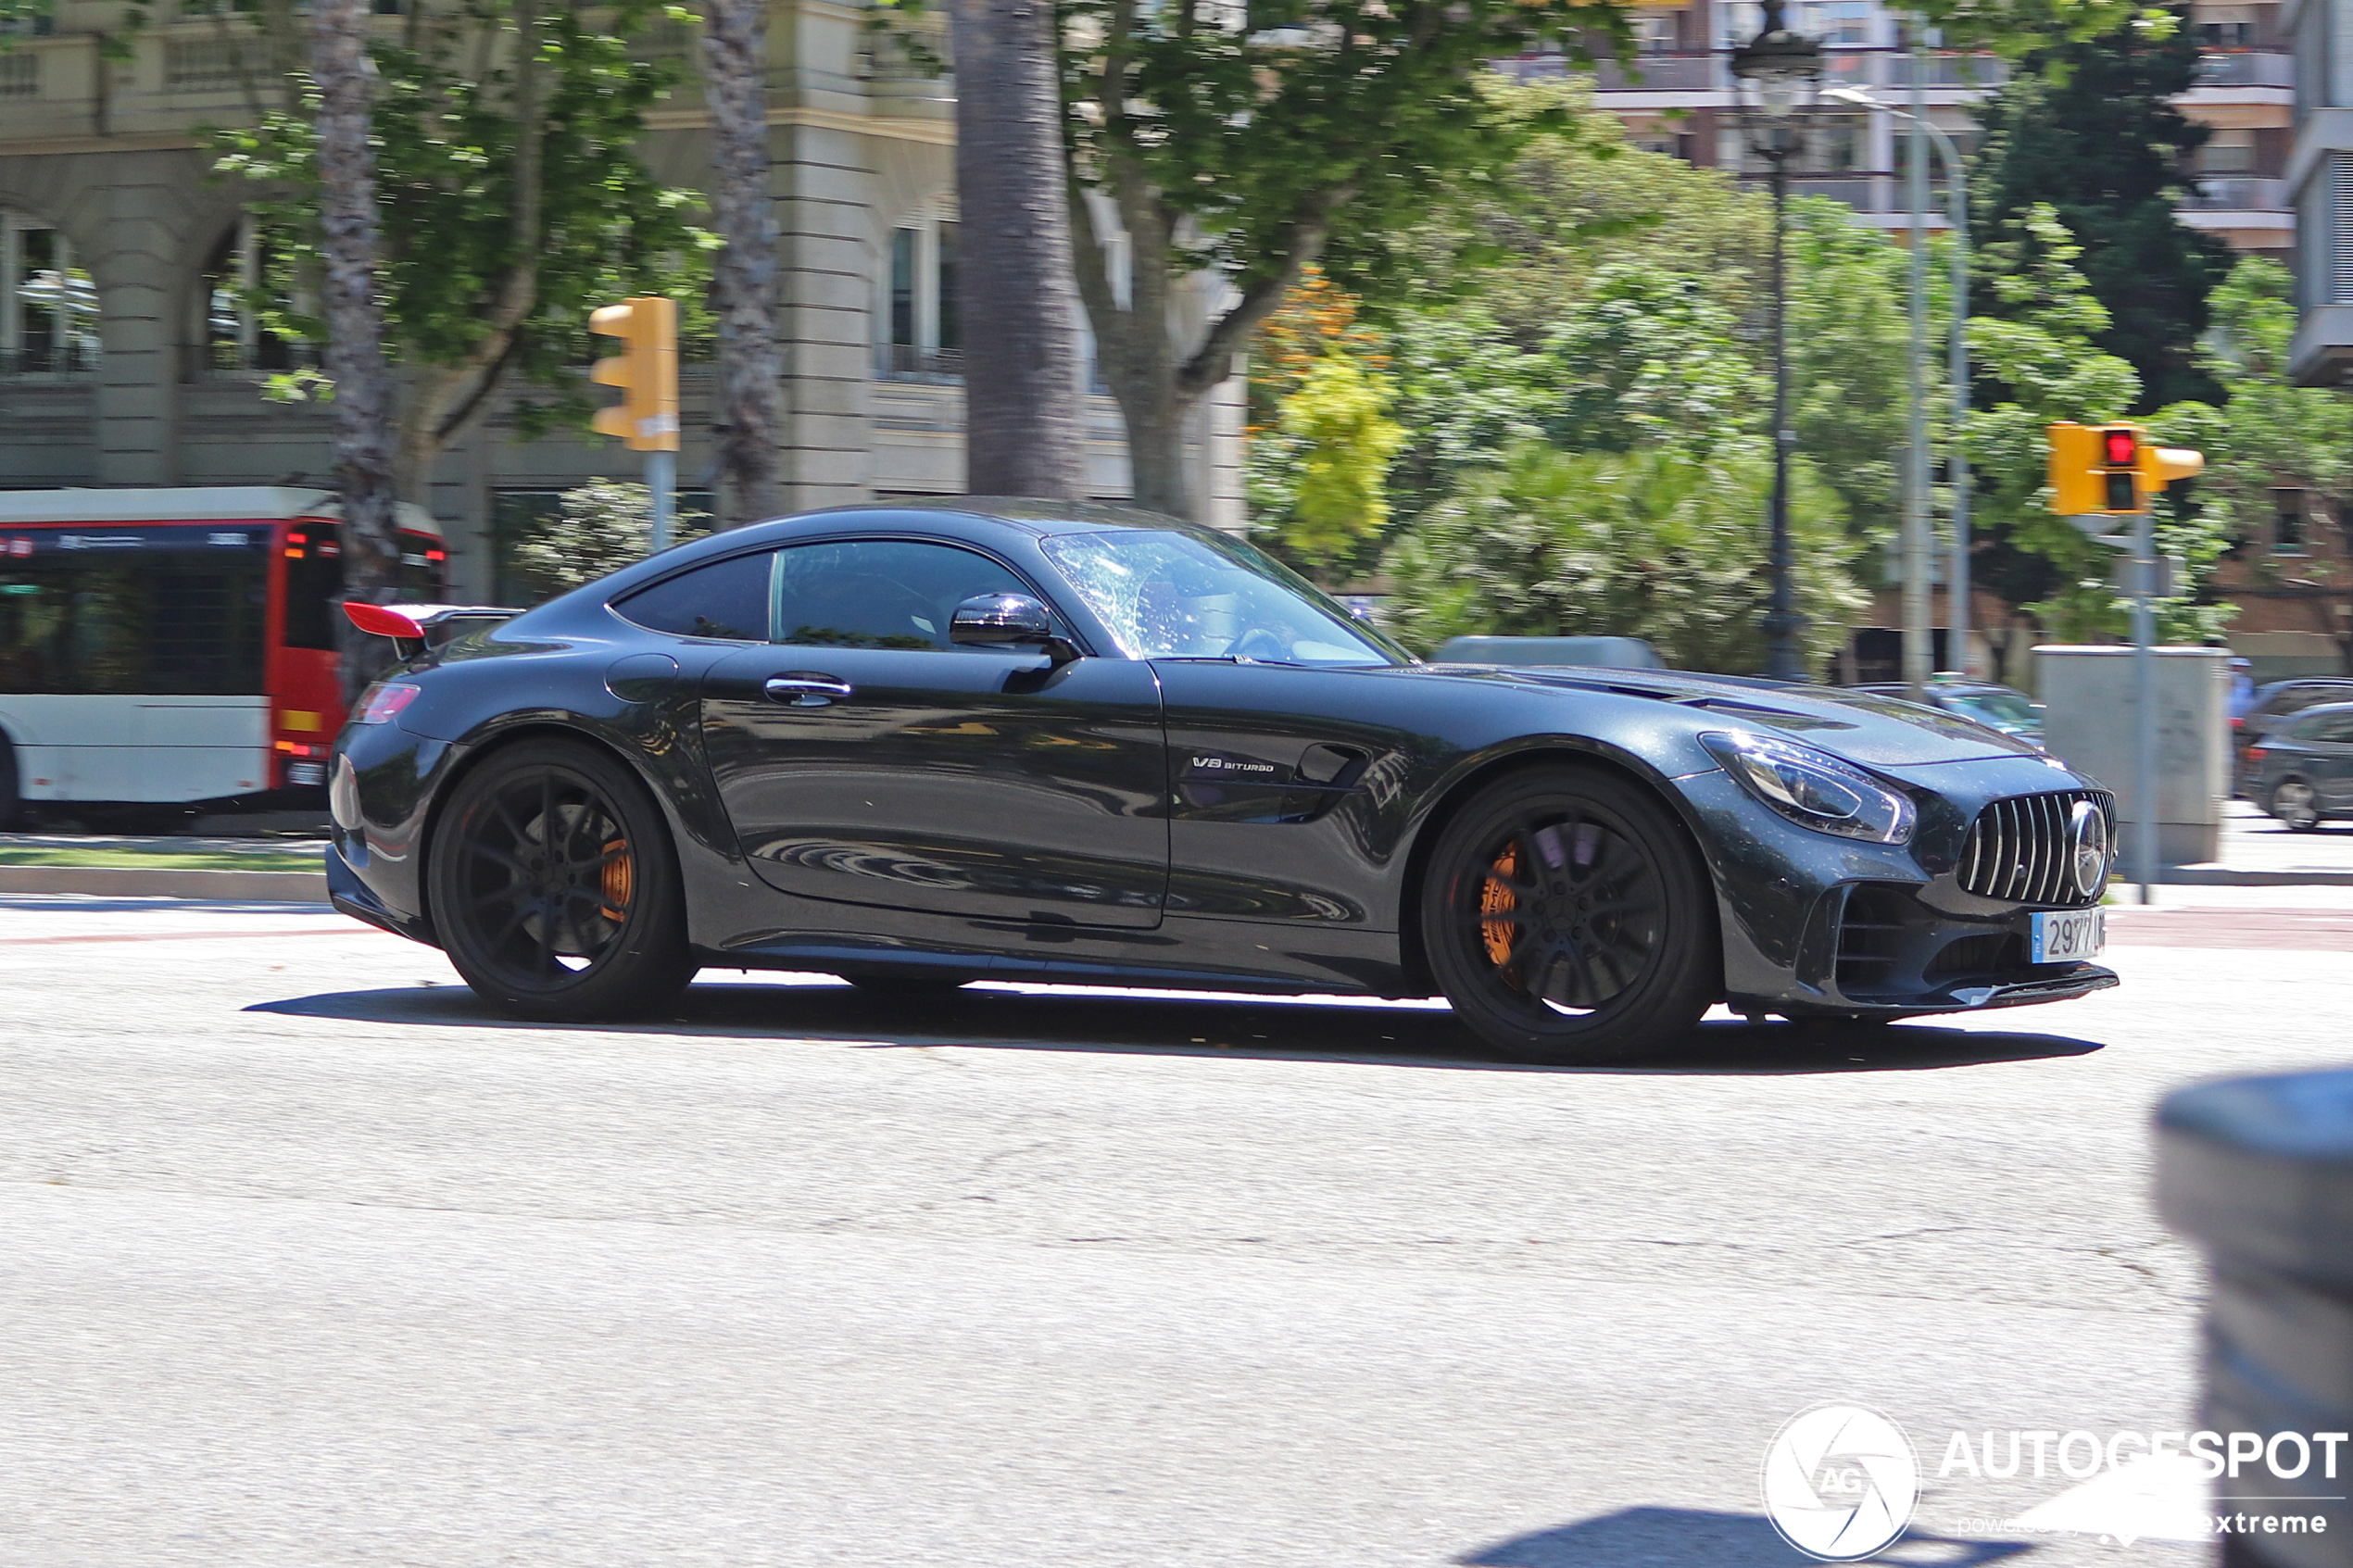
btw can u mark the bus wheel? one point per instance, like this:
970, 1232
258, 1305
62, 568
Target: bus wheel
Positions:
11, 794
555, 889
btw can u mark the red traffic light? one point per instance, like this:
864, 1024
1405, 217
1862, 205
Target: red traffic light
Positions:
2120, 446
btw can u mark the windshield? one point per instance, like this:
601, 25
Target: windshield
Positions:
2004, 711
1178, 596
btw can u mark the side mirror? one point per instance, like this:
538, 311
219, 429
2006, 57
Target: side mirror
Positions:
1008, 621
997, 620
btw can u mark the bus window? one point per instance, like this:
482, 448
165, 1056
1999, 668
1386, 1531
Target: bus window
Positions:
314, 582
134, 610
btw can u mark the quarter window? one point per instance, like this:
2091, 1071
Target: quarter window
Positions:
880, 593
726, 599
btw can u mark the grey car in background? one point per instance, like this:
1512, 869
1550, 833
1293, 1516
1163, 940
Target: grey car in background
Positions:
1997, 708
2303, 769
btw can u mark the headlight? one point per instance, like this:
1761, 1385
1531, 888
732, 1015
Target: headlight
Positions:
1813, 788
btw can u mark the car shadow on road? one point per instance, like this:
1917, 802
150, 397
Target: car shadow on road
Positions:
1395, 1034
1674, 1538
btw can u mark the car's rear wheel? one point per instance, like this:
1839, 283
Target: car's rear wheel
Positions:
555, 889
1568, 918
2294, 803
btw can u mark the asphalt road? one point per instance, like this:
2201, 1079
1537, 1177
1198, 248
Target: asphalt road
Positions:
307, 1262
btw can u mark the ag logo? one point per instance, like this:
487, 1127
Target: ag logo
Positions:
1840, 1482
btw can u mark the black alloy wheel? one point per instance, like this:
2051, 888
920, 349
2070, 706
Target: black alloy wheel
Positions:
555, 889
1568, 918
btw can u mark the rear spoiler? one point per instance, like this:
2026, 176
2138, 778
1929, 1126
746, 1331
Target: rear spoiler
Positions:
413, 627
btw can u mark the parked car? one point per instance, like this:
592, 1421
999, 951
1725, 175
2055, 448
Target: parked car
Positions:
2273, 705
2303, 769
1594, 653
1995, 707
917, 746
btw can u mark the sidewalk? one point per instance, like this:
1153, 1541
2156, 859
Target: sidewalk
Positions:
2258, 852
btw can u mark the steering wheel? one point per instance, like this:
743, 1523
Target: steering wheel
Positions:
1260, 642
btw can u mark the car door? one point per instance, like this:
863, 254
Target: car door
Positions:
865, 760
2330, 743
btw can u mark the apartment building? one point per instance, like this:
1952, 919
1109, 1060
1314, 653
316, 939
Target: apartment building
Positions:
127, 360
1675, 96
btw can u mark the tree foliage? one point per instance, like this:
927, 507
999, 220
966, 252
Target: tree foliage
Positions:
2096, 136
1646, 543
512, 200
2041, 358
597, 528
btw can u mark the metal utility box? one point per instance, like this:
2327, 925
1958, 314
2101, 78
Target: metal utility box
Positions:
2089, 720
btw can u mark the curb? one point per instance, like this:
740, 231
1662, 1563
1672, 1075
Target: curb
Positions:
2224, 876
138, 881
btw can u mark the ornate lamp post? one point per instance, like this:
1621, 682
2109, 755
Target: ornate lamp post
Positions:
1776, 74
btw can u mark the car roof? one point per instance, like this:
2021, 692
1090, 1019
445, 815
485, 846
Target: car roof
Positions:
2325, 708
1040, 518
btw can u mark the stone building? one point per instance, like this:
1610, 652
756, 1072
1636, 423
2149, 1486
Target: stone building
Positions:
126, 360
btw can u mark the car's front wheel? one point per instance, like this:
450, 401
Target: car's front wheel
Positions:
554, 887
2294, 803
1568, 918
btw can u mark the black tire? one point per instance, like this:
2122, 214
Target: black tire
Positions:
11, 788
1611, 951
2294, 806
583, 920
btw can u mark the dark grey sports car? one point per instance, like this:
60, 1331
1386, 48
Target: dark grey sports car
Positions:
1026, 741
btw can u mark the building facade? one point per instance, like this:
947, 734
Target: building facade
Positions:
125, 358
1676, 97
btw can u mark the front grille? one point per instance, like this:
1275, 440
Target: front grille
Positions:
2019, 850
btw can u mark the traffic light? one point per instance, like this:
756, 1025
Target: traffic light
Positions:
2111, 470
646, 369
2076, 487
2120, 469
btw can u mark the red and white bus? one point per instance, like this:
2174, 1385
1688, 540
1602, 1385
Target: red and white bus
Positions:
175, 646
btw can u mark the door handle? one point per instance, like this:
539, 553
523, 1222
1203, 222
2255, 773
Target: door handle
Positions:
802, 688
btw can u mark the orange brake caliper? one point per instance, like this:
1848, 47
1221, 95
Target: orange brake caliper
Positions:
1496, 899
619, 880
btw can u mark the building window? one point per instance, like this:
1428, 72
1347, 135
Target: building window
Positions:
48, 305
2226, 35
232, 294
2228, 152
923, 338
2288, 523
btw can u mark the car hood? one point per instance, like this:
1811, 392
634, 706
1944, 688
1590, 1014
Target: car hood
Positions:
1875, 731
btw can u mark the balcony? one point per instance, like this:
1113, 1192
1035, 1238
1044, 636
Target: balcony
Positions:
1704, 71
904, 361
2245, 69
2237, 193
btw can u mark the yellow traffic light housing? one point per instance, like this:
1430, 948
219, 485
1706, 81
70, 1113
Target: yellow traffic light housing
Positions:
2077, 487
646, 369
2111, 470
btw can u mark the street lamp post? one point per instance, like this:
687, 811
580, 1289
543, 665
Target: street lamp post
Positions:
1776, 73
1957, 463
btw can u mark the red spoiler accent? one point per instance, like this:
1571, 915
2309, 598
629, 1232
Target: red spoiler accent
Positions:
383, 620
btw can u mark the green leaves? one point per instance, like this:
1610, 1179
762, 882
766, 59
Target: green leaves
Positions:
446, 140
1652, 544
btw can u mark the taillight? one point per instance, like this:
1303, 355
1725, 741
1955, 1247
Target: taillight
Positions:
2257, 753
382, 701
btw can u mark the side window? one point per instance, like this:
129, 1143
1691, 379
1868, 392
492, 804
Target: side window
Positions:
2336, 727
880, 593
722, 598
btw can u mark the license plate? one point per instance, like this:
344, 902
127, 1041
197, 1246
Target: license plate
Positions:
2066, 935
300, 773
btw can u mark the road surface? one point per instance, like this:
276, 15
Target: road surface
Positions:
310, 1262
